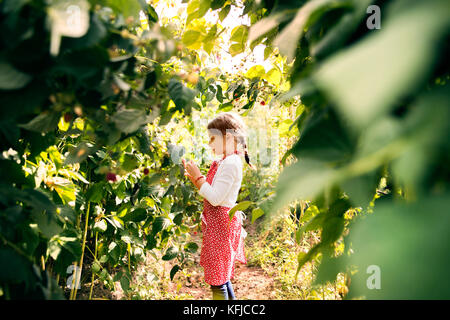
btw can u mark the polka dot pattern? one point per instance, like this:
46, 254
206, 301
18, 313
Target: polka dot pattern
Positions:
222, 244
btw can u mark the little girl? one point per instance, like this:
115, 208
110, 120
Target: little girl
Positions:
222, 239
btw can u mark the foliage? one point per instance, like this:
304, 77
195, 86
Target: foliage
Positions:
91, 175
375, 103
81, 160
88, 179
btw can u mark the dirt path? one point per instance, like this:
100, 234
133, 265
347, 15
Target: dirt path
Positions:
249, 282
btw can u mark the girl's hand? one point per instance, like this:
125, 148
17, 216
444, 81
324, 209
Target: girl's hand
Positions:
191, 170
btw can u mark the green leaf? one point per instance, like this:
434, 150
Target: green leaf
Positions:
45, 122
224, 12
70, 243
11, 173
95, 192
154, 179
273, 76
226, 107
240, 206
160, 223
314, 223
176, 152
126, 237
256, 213
53, 249
267, 52
255, 72
385, 65
329, 268
95, 267
236, 48
125, 283
309, 213
116, 222
151, 13
191, 247
114, 252
288, 39
181, 95
410, 235
239, 34
217, 4
96, 32
324, 138
309, 256
335, 38
36, 199
178, 219
219, 95
426, 128
304, 179
65, 189
137, 215
10, 78
130, 120
130, 162
100, 226
190, 37
15, 267
197, 9
265, 25
47, 224
361, 189
129, 8
174, 270
184, 228
79, 153
171, 253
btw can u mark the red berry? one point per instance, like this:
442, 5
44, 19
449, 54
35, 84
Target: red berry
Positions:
111, 176
67, 117
263, 102
146, 171
195, 232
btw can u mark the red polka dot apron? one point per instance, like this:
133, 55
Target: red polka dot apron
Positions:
222, 244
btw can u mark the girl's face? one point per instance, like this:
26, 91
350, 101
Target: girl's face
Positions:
215, 143
220, 143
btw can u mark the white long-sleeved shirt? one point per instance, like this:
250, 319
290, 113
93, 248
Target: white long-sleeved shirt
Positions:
224, 189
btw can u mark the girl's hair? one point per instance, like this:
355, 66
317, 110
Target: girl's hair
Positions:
233, 123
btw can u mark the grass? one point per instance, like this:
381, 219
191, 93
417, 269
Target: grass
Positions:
275, 251
270, 246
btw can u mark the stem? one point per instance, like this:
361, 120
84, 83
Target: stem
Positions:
129, 257
95, 258
86, 224
17, 249
73, 281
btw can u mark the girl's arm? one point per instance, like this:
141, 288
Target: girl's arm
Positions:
222, 184
200, 182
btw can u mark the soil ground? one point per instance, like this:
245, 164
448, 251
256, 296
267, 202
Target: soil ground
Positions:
249, 282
